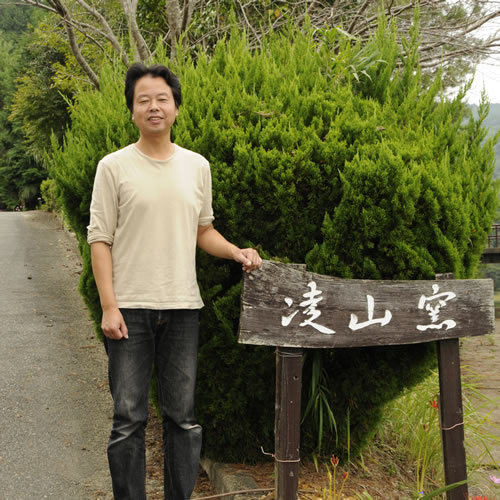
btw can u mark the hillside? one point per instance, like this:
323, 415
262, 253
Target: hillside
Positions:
492, 122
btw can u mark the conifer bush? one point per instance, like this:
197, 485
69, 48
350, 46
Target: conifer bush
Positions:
99, 125
324, 152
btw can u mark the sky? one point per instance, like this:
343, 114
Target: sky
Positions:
487, 77
488, 72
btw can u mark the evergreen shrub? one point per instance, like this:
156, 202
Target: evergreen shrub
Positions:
48, 190
100, 124
324, 152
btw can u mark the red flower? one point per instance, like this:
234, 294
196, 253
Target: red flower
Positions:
434, 404
334, 460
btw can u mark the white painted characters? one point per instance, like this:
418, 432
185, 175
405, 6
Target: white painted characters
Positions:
313, 298
354, 325
433, 304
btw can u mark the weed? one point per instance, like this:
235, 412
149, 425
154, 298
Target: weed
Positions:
410, 436
330, 493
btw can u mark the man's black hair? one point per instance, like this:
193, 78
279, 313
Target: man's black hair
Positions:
138, 70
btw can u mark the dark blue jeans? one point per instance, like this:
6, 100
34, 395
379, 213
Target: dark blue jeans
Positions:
168, 341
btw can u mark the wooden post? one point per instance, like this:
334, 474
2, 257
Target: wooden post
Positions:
287, 421
451, 415
452, 418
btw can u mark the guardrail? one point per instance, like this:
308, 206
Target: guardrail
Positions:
491, 254
494, 237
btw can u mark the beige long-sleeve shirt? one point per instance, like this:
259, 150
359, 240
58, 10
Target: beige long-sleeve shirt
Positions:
148, 211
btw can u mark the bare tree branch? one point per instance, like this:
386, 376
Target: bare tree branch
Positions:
358, 15
248, 24
107, 29
174, 17
481, 22
63, 12
130, 9
187, 13
443, 36
34, 3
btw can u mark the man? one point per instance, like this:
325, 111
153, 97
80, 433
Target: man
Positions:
151, 206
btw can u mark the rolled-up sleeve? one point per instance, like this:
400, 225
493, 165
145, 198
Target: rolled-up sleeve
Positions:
103, 207
206, 213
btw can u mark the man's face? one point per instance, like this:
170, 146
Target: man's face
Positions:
154, 110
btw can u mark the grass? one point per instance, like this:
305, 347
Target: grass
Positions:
405, 459
412, 430
409, 439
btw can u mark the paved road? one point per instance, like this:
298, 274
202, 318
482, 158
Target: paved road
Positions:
54, 401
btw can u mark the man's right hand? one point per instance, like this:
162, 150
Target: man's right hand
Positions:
113, 325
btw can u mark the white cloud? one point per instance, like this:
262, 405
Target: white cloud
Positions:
487, 77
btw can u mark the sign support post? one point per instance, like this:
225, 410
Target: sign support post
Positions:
287, 421
451, 413
452, 418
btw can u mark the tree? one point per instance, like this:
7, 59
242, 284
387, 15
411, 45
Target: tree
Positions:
448, 28
81, 34
322, 152
31, 105
15, 19
19, 177
39, 104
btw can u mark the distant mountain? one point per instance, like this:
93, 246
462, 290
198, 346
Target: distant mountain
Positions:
492, 123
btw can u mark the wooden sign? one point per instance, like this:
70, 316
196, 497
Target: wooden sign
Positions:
283, 305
